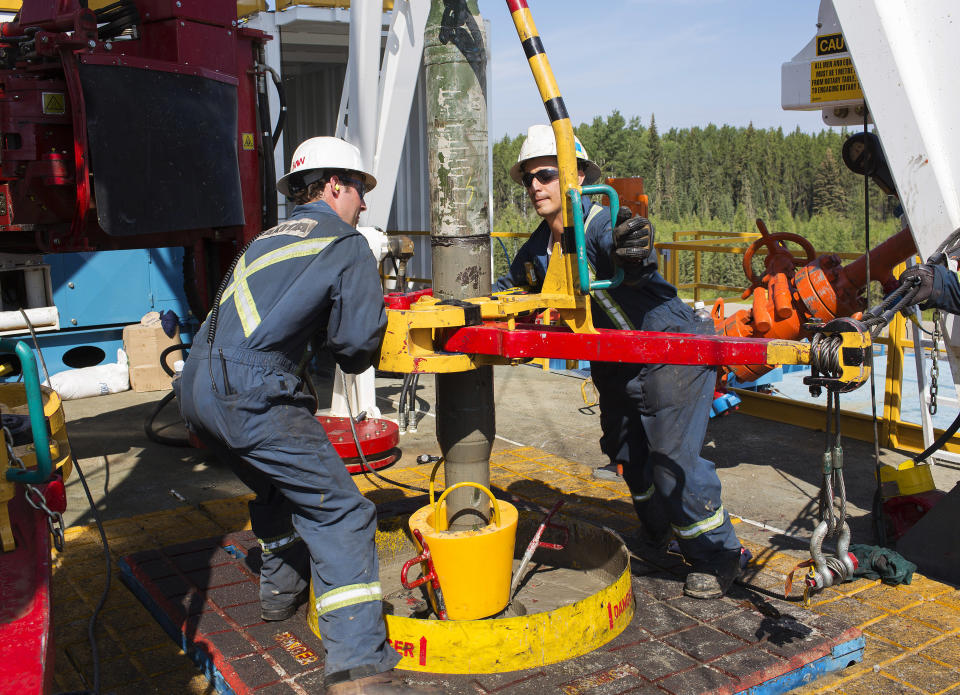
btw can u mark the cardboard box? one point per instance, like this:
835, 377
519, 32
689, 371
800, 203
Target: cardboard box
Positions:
143, 345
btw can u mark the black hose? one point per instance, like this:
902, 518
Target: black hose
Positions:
152, 434
148, 428
401, 404
412, 400
282, 98
267, 164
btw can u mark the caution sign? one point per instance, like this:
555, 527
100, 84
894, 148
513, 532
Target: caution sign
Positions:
248, 143
54, 103
831, 43
834, 79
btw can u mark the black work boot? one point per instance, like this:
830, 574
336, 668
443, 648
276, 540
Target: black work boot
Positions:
712, 579
272, 613
387, 683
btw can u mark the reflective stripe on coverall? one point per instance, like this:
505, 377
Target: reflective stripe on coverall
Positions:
312, 276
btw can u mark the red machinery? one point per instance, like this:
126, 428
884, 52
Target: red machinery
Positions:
134, 124
131, 124
792, 292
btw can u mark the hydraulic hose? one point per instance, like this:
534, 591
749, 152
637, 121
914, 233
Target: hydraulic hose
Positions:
267, 164
282, 98
148, 427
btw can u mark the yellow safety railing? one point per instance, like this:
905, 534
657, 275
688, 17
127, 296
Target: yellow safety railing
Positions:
702, 242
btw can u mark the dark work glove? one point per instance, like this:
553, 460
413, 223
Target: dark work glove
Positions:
632, 239
919, 276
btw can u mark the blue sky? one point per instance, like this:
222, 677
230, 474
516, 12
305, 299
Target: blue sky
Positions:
690, 62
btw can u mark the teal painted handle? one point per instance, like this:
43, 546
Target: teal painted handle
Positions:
579, 235
38, 423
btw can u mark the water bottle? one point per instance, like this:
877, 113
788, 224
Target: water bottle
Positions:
703, 319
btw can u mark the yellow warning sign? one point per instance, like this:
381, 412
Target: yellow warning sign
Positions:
54, 103
248, 143
834, 80
831, 43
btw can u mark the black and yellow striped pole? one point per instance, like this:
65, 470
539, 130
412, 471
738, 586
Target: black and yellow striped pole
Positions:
559, 120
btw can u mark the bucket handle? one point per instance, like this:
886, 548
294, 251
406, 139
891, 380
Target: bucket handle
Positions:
436, 505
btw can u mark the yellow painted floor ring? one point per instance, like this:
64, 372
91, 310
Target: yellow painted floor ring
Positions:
497, 645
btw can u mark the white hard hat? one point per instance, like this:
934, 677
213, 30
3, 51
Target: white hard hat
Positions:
541, 142
325, 153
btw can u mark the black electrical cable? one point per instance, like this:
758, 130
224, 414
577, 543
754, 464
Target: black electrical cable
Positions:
363, 459
215, 308
879, 527
92, 625
36, 345
148, 428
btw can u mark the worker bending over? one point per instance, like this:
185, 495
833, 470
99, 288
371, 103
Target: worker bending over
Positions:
653, 417
311, 277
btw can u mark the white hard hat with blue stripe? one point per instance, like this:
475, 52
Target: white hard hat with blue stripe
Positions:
541, 142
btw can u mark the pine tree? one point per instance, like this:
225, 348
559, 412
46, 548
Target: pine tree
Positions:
828, 191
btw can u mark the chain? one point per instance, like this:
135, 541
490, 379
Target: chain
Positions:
934, 368
34, 497
36, 500
11, 456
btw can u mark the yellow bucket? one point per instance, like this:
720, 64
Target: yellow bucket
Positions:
474, 567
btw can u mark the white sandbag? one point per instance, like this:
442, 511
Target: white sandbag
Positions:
92, 381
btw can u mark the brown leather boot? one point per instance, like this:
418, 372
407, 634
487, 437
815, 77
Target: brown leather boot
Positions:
387, 683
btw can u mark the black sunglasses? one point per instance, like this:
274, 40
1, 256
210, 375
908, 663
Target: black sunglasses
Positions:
543, 176
359, 184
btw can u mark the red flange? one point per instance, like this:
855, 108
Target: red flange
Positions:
378, 441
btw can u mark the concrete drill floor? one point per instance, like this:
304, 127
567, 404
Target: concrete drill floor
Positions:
152, 496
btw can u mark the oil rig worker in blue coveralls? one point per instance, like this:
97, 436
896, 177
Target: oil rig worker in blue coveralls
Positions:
653, 417
311, 277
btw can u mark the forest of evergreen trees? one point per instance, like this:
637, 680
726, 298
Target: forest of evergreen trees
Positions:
717, 178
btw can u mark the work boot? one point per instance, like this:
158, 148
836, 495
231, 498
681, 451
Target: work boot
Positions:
712, 579
386, 683
276, 613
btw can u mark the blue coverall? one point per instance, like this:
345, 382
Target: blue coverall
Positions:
653, 417
312, 276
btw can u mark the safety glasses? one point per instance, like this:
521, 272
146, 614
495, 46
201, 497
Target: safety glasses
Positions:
543, 176
359, 184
